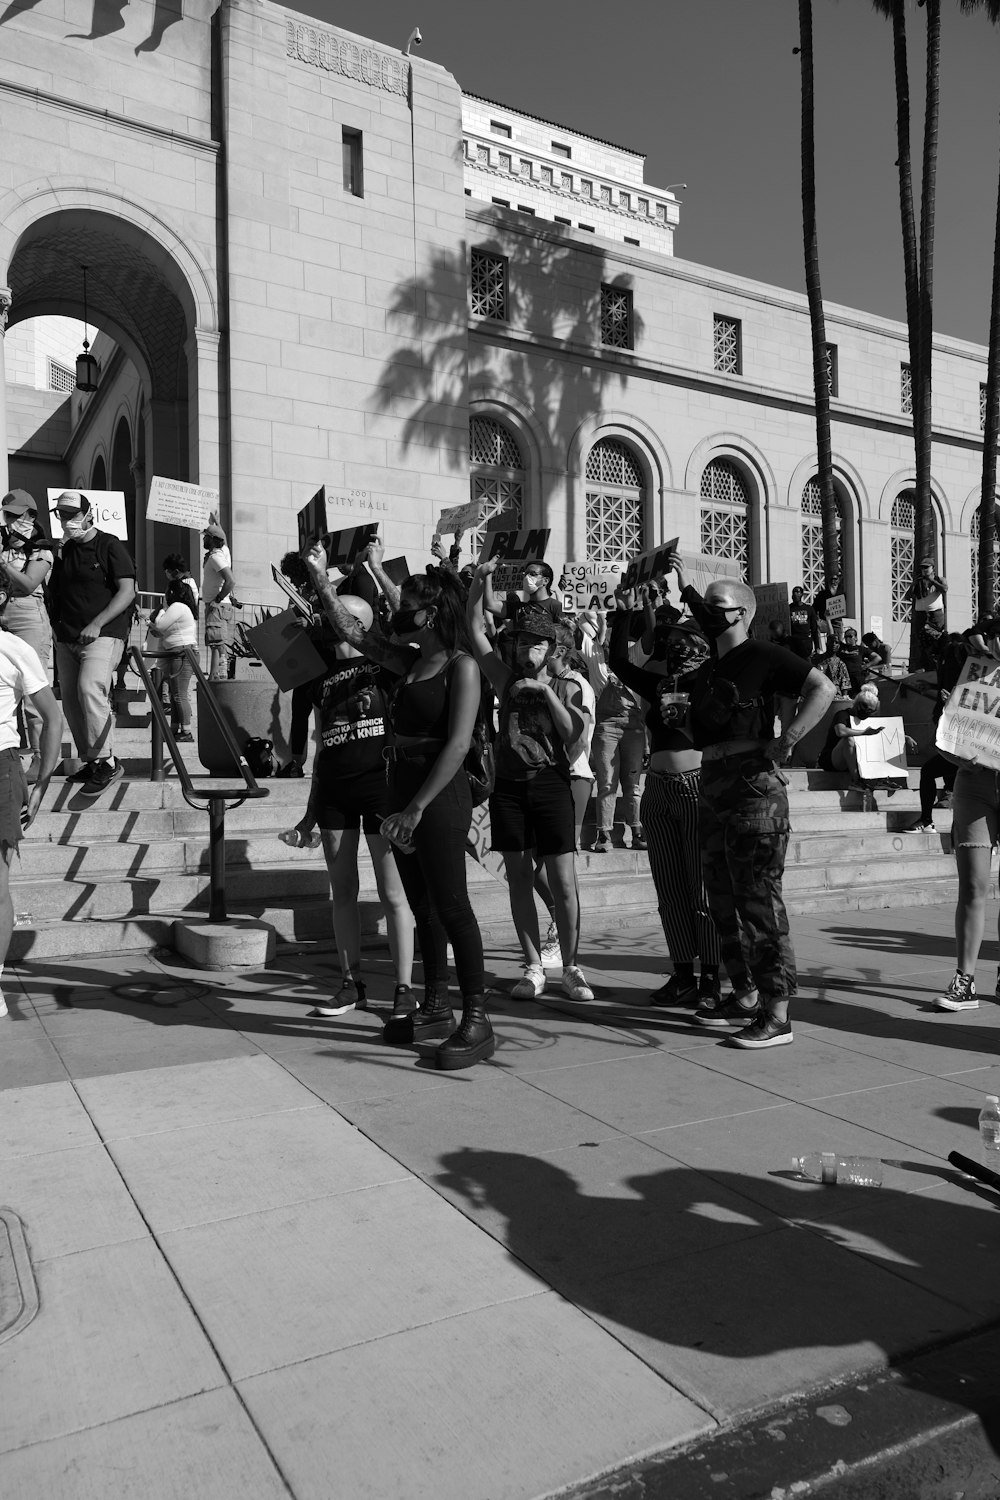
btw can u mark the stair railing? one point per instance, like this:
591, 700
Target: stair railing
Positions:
217, 798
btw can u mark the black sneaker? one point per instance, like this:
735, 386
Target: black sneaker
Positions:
710, 991
730, 1015
350, 996
85, 772
960, 994
765, 1031
292, 768
184, 737
676, 991
102, 775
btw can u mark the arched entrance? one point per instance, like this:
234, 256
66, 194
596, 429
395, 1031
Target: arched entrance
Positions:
138, 296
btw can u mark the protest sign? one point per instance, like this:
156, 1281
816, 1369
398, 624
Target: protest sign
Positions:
299, 604
702, 570
175, 503
344, 548
875, 625
311, 519
107, 508
836, 607
580, 583
881, 757
459, 518
772, 604
396, 569
283, 645
969, 727
514, 546
648, 565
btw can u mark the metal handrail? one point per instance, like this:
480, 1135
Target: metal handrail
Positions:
216, 797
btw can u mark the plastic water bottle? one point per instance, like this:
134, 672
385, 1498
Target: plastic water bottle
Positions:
989, 1131
296, 839
827, 1166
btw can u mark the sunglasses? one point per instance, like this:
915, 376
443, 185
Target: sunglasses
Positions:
66, 515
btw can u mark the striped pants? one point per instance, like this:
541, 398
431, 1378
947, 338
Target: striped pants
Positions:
670, 822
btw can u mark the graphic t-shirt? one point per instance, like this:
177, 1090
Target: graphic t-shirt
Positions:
803, 620
352, 698
527, 741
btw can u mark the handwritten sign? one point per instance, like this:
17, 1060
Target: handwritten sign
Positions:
836, 607
649, 564
460, 518
772, 604
174, 503
580, 583
107, 508
969, 727
882, 756
515, 546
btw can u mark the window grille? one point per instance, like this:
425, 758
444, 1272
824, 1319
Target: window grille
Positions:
547, 175
725, 517
588, 227
982, 408
629, 241
901, 550
616, 505
483, 155
506, 161
644, 205
728, 353
974, 543
497, 481
489, 285
566, 179
606, 195
906, 390
616, 317
587, 188
813, 571
525, 167
832, 374
625, 200
60, 378
661, 211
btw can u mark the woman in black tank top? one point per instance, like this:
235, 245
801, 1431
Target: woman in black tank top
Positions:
432, 716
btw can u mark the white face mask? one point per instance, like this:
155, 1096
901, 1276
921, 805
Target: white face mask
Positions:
22, 526
75, 528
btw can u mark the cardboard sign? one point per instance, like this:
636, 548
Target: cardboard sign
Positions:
649, 564
311, 519
514, 546
969, 727
300, 604
580, 583
396, 569
459, 518
836, 607
875, 625
174, 503
703, 570
107, 508
344, 548
284, 647
882, 756
772, 604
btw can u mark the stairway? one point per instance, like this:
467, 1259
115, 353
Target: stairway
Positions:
112, 875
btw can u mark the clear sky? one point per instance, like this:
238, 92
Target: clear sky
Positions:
709, 90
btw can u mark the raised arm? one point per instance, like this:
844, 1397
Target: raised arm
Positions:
492, 668
368, 642
373, 555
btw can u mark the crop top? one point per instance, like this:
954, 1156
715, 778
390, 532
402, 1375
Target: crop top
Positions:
649, 685
421, 710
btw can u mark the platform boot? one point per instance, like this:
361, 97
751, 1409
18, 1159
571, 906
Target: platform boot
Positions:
473, 1041
434, 1018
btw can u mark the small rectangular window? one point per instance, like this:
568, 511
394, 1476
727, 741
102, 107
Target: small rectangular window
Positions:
906, 390
354, 178
498, 128
489, 285
560, 150
616, 317
502, 202
63, 379
562, 221
523, 208
728, 344
630, 241
588, 227
832, 371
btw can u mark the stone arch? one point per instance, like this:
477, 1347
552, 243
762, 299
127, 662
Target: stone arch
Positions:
122, 471
644, 442
757, 471
98, 473
503, 408
906, 479
855, 506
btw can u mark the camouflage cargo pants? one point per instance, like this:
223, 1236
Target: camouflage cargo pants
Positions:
744, 835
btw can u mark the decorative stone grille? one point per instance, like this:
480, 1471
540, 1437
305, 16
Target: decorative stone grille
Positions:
605, 195
547, 175
616, 506
727, 344
483, 155
832, 378
493, 445
906, 390
525, 167
489, 285
506, 161
567, 181
901, 551
725, 520
60, 377
813, 572
616, 317
982, 408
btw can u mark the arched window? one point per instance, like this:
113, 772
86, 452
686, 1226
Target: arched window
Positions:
99, 479
902, 547
725, 513
616, 502
497, 476
812, 539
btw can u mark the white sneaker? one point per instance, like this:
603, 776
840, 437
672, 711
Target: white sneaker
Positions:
574, 985
3, 1006
551, 951
531, 985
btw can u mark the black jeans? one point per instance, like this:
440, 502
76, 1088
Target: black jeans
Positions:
929, 772
302, 707
434, 877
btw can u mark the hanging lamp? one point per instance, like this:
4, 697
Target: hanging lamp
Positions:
87, 369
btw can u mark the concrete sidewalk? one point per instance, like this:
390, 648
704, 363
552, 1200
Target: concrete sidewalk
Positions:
276, 1257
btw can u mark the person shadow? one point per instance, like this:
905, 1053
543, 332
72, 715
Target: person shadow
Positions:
741, 1290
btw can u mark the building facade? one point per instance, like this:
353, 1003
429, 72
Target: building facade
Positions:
314, 261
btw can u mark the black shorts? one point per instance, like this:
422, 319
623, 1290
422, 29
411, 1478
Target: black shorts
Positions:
353, 801
13, 796
534, 814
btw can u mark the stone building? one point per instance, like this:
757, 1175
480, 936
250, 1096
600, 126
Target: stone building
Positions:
314, 261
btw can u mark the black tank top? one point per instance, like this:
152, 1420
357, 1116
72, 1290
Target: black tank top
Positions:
420, 709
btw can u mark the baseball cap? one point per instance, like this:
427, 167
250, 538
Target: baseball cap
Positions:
537, 622
71, 502
18, 503
683, 627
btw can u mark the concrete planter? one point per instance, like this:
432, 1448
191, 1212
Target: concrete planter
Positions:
253, 710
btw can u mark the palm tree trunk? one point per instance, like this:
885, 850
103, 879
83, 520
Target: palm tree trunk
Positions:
991, 434
922, 386
814, 294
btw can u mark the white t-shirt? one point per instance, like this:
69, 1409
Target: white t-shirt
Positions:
212, 581
21, 673
176, 626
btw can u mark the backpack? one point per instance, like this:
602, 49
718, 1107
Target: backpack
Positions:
480, 762
259, 756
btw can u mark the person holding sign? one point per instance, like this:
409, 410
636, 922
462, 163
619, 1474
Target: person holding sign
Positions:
537, 587
744, 802
531, 809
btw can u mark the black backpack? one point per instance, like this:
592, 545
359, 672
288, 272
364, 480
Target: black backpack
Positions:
259, 756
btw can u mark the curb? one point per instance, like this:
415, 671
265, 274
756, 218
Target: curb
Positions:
926, 1428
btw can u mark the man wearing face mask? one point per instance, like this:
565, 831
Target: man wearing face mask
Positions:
744, 802
91, 603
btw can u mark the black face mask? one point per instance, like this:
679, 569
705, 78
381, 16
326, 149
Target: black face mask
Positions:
404, 621
715, 619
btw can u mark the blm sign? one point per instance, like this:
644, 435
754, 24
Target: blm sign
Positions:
648, 565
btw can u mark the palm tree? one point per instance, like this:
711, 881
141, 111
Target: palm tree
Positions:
814, 294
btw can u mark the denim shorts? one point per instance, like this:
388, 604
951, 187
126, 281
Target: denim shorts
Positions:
536, 813
975, 808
